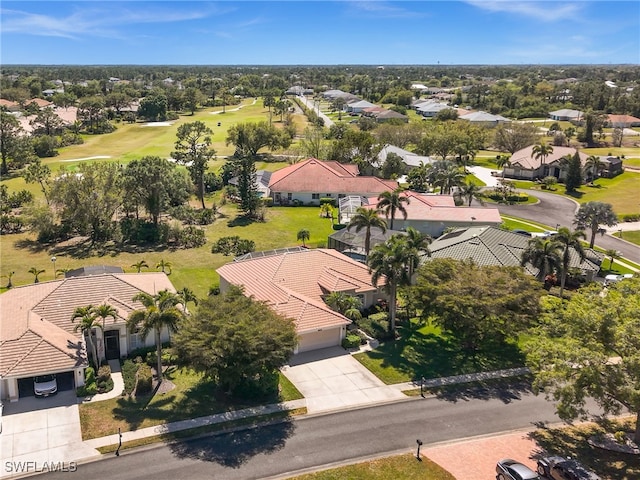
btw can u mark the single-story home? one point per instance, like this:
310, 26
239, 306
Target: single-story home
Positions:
484, 118
495, 246
524, 165
333, 94
41, 103
294, 283
309, 181
351, 243
37, 334
623, 121
358, 106
433, 214
431, 109
387, 115
410, 159
566, 115
9, 105
261, 181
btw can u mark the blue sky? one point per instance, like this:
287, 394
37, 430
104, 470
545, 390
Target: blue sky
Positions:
320, 32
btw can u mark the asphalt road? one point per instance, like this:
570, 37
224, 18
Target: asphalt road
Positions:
314, 441
555, 209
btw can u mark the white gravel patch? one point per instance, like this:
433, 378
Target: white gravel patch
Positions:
97, 157
157, 124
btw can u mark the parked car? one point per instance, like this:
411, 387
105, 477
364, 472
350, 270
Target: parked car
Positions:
613, 278
45, 385
560, 468
508, 469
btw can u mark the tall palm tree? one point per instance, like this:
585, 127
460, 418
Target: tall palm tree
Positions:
102, 312
544, 255
159, 312
469, 191
540, 152
367, 218
140, 265
613, 254
452, 176
88, 321
569, 240
187, 295
36, 273
164, 265
392, 202
418, 245
390, 261
303, 236
594, 164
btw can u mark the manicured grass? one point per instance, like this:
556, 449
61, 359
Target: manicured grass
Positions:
193, 268
573, 442
424, 351
521, 223
288, 390
194, 396
475, 180
629, 236
402, 467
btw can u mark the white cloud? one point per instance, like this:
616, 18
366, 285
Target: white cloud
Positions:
94, 20
541, 10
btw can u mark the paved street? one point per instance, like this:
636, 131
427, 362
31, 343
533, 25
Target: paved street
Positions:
320, 440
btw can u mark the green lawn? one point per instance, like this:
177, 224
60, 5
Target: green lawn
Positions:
513, 223
423, 351
193, 268
402, 467
630, 236
193, 397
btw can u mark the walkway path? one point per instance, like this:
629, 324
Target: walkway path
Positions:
310, 104
118, 385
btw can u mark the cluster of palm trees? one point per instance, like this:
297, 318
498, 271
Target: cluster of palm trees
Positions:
162, 265
552, 255
442, 174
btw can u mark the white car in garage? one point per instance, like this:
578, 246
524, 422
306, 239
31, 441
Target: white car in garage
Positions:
45, 385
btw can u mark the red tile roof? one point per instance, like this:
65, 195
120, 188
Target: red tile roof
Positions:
294, 283
623, 119
316, 176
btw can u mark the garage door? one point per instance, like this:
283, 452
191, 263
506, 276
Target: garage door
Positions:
316, 340
65, 382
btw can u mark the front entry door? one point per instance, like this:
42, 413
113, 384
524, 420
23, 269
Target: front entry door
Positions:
112, 344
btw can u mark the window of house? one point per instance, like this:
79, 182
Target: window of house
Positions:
315, 196
135, 340
328, 195
289, 196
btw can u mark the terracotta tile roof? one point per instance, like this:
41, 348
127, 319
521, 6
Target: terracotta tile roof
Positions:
316, 176
441, 208
525, 159
40, 102
295, 283
8, 103
623, 119
36, 328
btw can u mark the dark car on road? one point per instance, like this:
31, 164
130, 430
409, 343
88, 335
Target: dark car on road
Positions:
560, 468
508, 469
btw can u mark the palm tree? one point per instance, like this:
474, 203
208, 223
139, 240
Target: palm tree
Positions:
367, 218
88, 321
418, 244
503, 162
391, 202
36, 273
469, 191
592, 214
159, 312
62, 271
102, 312
594, 164
187, 295
452, 176
140, 265
390, 260
613, 254
303, 236
164, 266
9, 279
569, 241
540, 152
544, 255
346, 304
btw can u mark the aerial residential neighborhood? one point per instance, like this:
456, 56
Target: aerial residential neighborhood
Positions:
236, 245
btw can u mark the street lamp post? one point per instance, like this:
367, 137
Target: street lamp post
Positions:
53, 260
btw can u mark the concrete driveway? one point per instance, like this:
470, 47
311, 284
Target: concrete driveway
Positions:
42, 431
332, 379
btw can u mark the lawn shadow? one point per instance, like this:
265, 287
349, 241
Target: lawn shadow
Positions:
233, 449
134, 411
575, 194
241, 221
506, 390
33, 246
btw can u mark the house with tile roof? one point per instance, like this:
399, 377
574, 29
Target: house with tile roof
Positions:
410, 159
9, 106
623, 121
37, 334
524, 165
494, 246
433, 214
309, 181
295, 283
484, 118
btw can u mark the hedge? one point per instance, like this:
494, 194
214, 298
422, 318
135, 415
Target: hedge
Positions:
129, 370
145, 379
351, 341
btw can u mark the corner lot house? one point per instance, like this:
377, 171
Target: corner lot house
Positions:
524, 165
309, 181
294, 284
37, 335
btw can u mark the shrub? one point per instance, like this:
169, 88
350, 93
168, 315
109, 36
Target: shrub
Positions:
168, 358
631, 217
376, 326
351, 341
129, 370
233, 246
89, 375
87, 390
328, 201
10, 224
191, 237
144, 382
260, 387
267, 201
105, 386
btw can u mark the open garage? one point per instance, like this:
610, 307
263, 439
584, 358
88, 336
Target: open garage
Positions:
65, 382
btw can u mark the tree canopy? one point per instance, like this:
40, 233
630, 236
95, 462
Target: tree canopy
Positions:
590, 349
237, 341
591, 215
249, 138
476, 304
